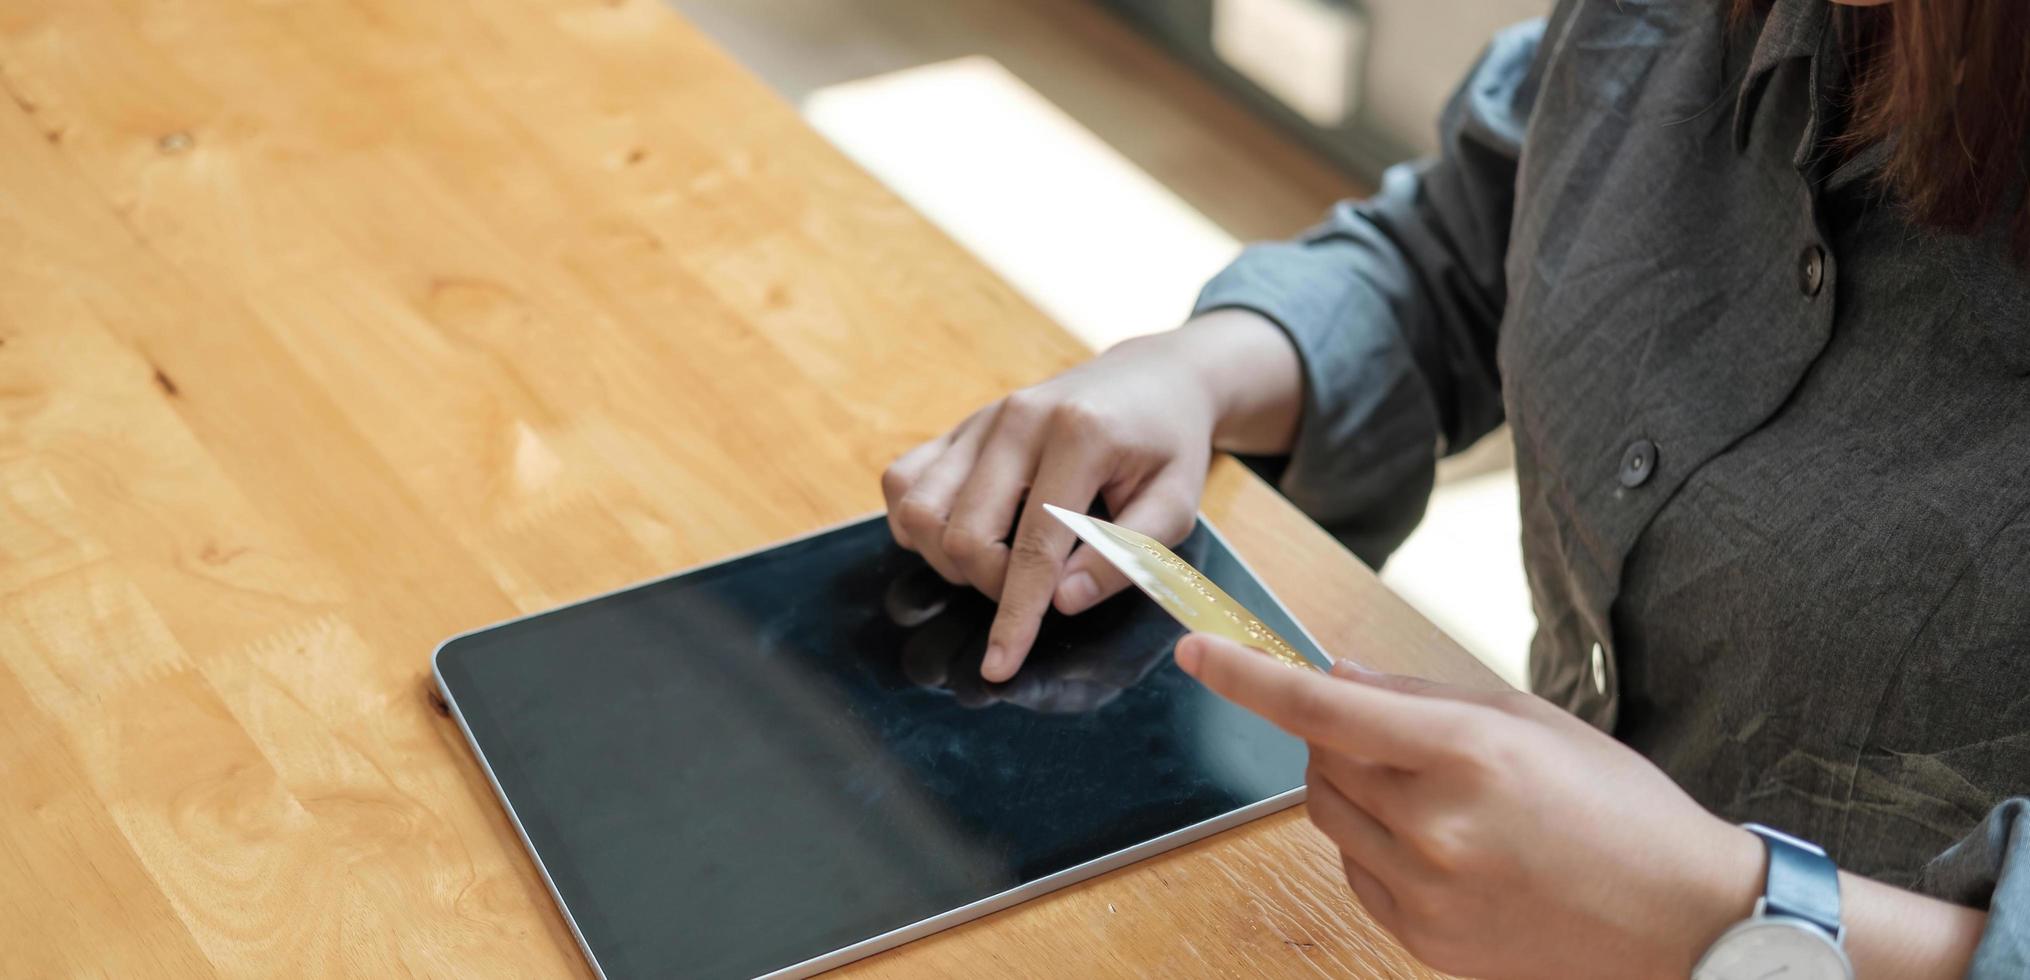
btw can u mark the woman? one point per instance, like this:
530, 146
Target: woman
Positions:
1749, 288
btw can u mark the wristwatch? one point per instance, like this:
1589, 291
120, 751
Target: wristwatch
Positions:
1795, 932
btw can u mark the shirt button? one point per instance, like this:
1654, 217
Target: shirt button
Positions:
1638, 463
1599, 666
1811, 270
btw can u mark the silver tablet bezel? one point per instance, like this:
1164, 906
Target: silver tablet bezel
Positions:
936, 923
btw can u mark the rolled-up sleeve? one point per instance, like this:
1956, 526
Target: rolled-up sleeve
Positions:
1393, 304
1990, 868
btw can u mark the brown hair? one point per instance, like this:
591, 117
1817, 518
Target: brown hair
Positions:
1946, 85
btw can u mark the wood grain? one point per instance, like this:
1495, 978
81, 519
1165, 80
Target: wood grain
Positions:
328, 329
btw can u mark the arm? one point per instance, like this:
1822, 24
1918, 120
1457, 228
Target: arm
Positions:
1255, 377
1892, 934
1392, 305
1895, 933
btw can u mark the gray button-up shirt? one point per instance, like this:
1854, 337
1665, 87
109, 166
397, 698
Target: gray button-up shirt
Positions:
1773, 440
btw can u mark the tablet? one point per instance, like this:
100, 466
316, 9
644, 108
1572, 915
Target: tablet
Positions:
785, 761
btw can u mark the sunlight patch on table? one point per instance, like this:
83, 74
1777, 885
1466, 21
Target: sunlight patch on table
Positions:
1077, 228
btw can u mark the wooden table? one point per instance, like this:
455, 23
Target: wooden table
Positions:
328, 329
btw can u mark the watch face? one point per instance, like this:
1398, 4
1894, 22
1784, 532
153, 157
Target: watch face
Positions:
1774, 948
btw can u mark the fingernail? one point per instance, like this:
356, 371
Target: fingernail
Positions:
1189, 654
990, 668
1076, 593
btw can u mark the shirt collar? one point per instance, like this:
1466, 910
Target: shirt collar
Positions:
1792, 29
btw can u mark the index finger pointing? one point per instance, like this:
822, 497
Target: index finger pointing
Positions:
1401, 730
1068, 477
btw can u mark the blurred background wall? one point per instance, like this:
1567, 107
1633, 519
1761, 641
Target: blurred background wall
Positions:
1392, 63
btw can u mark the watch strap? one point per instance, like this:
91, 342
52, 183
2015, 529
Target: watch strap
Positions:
1803, 883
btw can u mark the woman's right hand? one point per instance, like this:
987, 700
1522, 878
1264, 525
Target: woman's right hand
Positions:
1134, 427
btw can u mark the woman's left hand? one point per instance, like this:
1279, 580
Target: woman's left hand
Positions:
1495, 835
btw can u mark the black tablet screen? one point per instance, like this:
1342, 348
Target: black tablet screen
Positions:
744, 767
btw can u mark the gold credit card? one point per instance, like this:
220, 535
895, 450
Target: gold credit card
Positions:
1183, 591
